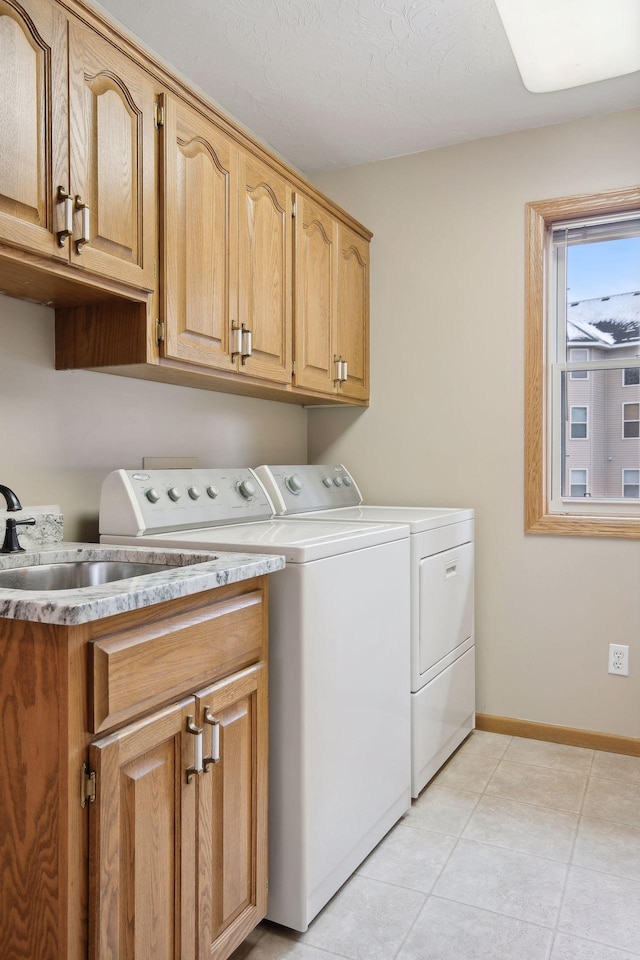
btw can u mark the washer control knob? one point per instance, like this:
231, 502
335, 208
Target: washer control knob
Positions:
212, 491
293, 483
152, 495
246, 489
195, 493
174, 494
337, 481
328, 482
346, 481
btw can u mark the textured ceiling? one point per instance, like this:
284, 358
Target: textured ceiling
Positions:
332, 83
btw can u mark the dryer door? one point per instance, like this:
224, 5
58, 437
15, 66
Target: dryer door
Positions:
446, 603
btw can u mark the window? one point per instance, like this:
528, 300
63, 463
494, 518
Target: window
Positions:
576, 356
631, 483
579, 423
631, 421
583, 365
578, 486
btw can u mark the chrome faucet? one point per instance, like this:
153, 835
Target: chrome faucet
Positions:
12, 501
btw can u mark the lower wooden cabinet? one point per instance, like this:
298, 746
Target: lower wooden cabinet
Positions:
111, 847
178, 832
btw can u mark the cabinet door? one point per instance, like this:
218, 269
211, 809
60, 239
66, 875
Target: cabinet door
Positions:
142, 847
199, 238
112, 155
314, 295
33, 125
232, 847
353, 312
264, 296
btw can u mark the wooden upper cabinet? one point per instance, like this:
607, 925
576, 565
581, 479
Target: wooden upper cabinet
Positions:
232, 811
199, 224
112, 160
353, 312
265, 246
314, 286
33, 125
142, 841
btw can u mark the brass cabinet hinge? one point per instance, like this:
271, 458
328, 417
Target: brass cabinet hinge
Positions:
293, 368
87, 786
159, 331
158, 116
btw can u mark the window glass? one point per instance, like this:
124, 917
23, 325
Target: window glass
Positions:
578, 423
578, 478
631, 483
631, 420
631, 376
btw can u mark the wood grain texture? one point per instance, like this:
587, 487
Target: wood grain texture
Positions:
232, 803
139, 855
315, 295
539, 216
32, 771
137, 669
199, 230
532, 730
101, 333
353, 312
264, 271
112, 159
33, 112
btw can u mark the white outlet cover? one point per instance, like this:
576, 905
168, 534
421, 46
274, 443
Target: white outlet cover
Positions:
619, 659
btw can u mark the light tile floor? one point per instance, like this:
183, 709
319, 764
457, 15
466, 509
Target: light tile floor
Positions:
517, 850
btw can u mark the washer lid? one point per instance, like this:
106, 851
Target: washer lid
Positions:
300, 541
419, 519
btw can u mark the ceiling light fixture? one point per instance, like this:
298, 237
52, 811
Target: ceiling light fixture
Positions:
566, 43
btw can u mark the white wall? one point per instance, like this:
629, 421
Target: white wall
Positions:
445, 424
61, 432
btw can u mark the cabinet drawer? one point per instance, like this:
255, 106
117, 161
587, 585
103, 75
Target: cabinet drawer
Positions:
139, 668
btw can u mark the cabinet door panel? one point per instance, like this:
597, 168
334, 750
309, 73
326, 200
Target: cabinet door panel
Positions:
232, 811
112, 144
200, 241
353, 311
142, 831
33, 125
264, 296
314, 295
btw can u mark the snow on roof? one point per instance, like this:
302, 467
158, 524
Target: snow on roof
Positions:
608, 321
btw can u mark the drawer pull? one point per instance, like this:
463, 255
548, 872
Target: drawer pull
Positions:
197, 749
86, 224
451, 569
215, 739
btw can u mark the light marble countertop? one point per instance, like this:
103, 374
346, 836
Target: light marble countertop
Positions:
198, 571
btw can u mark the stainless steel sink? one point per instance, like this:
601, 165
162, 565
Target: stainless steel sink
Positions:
77, 573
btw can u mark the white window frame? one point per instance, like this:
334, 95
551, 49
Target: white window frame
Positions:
635, 470
578, 374
579, 406
584, 470
543, 379
630, 403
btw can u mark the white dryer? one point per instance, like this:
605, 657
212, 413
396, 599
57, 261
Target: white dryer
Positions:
441, 600
339, 710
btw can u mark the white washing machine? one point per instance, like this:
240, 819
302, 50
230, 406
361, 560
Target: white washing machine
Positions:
441, 600
339, 709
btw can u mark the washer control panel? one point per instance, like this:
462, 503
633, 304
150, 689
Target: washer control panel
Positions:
135, 502
307, 487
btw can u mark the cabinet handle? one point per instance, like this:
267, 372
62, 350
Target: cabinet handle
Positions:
197, 749
215, 739
245, 342
86, 224
345, 371
339, 364
236, 342
63, 197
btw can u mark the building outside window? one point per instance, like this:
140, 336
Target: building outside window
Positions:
583, 365
631, 483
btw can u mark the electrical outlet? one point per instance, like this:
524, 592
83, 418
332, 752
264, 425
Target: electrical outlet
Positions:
619, 659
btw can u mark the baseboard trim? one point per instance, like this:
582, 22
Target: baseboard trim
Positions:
532, 730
